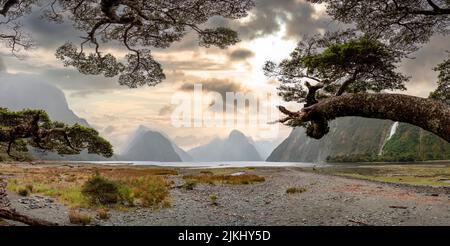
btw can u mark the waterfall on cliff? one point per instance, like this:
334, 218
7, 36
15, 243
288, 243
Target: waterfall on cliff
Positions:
392, 131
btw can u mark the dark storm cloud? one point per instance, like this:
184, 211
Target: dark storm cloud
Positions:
268, 16
420, 67
216, 85
66, 78
298, 16
241, 55
71, 79
165, 110
48, 34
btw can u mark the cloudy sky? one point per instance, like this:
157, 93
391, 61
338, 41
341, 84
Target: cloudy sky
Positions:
270, 32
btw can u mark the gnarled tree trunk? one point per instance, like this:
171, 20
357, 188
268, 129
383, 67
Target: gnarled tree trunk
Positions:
429, 114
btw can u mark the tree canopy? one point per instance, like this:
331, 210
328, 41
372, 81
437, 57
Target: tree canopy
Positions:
403, 24
21, 129
324, 72
347, 73
443, 90
134, 26
335, 64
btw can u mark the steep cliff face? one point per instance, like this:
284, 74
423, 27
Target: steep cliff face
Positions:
21, 94
411, 142
347, 136
361, 139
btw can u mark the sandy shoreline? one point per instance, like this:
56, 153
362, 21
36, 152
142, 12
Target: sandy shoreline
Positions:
328, 200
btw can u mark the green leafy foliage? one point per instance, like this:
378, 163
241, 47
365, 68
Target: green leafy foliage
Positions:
136, 27
408, 144
101, 191
34, 128
403, 24
443, 90
416, 143
334, 64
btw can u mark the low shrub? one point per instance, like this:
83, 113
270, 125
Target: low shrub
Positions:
294, 190
189, 184
23, 191
100, 190
126, 195
213, 200
29, 187
154, 195
152, 191
103, 214
78, 218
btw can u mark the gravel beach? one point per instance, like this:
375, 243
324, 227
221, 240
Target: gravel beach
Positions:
328, 200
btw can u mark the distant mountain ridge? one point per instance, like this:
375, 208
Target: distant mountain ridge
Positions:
146, 144
236, 147
27, 93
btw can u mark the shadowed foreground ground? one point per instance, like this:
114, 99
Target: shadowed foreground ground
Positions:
328, 200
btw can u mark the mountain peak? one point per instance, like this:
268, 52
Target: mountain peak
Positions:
236, 134
142, 128
152, 145
237, 147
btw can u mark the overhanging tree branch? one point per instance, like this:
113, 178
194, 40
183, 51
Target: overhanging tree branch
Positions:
7, 5
429, 114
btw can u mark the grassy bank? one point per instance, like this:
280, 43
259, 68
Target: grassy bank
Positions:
436, 175
148, 187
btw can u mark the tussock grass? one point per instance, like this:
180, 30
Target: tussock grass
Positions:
102, 191
225, 179
130, 186
103, 214
151, 191
189, 184
213, 200
295, 190
78, 218
23, 191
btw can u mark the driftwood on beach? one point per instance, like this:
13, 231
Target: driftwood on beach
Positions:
10, 214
